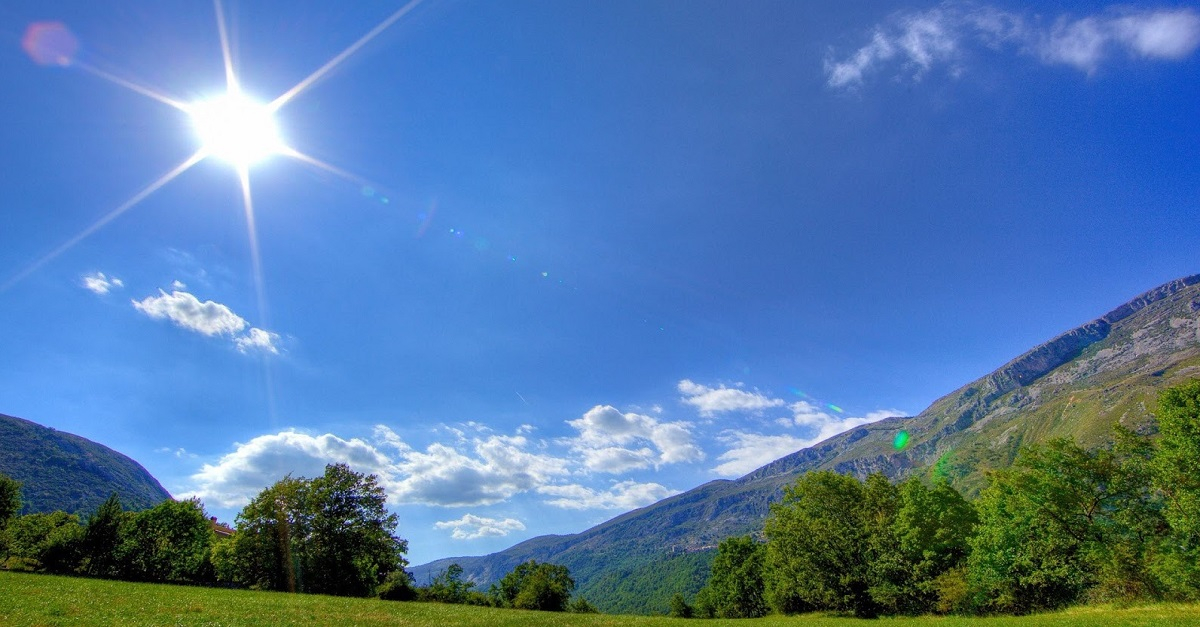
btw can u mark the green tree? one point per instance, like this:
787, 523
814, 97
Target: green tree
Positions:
736, 588
10, 499
102, 538
448, 586
1177, 475
46, 542
351, 546
535, 585
327, 535
261, 555
932, 532
815, 547
170, 542
680, 607
1061, 522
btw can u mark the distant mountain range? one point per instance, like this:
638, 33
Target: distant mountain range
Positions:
1078, 385
63, 471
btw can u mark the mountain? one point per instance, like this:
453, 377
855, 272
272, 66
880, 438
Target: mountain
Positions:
62, 471
1078, 385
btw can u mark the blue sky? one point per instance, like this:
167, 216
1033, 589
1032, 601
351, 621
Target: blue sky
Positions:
550, 261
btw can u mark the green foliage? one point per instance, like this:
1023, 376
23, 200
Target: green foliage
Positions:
680, 607
397, 587
535, 586
64, 472
45, 542
169, 542
931, 537
328, 535
816, 537
1176, 471
580, 605
101, 539
447, 587
10, 499
736, 588
643, 583
1063, 521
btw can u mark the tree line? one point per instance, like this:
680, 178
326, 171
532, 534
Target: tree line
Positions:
1063, 525
326, 535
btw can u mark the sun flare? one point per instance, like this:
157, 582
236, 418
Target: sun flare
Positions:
236, 129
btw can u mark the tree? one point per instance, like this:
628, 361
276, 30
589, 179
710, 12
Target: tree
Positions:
1176, 470
932, 532
102, 538
46, 542
448, 586
815, 546
1061, 522
535, 586
736, 589
327, 535
10, 499
680, 607
170, 542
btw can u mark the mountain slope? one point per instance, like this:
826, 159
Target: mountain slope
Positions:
1078, 384
62, 471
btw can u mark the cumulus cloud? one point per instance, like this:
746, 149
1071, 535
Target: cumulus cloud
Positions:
615, 442
711, 401
208, 318
478, 471
749, 451
491, 470
100, 284
472, 527
916, 41
624, 495
252, 466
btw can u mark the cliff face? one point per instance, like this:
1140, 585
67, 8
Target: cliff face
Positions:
1078, 385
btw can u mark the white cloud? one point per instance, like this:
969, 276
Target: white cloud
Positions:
208, 318
711, 401
252, 466
257, 339
185, 310
920, 40
100, 284
494, 469
471, 527
625, 495
613, 442
749, 451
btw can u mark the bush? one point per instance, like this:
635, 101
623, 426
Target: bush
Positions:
397, 587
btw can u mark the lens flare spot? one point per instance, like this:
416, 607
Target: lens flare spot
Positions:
901, 440
50, 43
836, 408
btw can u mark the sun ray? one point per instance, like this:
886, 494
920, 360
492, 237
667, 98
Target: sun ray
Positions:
231, 82
332, 169
130, 85
342, 56
198, 156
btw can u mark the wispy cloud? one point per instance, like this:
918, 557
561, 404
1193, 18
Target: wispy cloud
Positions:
472, 527
615, 442
748, 451
721, 399
207, 318
99, 283
623, 495
914, 42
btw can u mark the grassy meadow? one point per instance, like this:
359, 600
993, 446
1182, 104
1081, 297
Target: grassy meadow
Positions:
28, 599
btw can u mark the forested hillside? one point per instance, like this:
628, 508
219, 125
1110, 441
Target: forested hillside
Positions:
64, 472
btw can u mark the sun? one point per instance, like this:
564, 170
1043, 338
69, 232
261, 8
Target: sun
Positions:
236, 129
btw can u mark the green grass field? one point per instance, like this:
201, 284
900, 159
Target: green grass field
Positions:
27, 599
